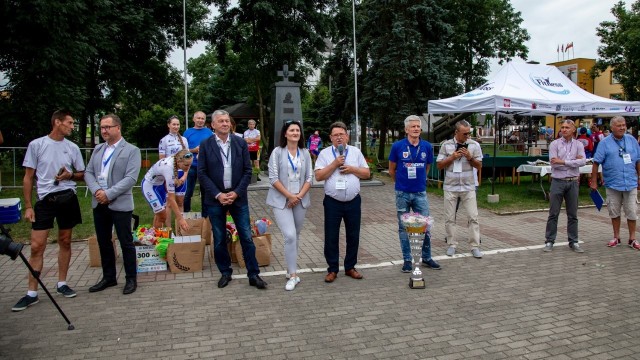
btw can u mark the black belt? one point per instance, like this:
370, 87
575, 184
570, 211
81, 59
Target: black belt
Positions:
568, 178
55, 195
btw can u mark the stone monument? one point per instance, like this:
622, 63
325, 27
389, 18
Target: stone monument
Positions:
286, 106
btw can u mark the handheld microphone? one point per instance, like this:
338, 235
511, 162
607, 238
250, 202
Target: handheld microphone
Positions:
340, 149
56, 182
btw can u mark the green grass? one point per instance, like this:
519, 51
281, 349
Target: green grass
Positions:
20, 232
514, 197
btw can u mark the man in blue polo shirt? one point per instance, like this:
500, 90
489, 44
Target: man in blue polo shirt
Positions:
195, 136
619, 156
409, 162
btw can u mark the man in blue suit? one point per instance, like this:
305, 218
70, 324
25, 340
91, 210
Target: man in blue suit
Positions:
224, 171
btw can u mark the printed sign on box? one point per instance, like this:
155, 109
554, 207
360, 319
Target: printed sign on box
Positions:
148, 259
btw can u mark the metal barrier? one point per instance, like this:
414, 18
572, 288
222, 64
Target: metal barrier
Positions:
16, 156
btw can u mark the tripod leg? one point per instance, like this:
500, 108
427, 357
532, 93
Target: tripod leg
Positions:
36, 274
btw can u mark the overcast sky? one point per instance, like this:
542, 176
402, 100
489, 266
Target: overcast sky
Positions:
549, 22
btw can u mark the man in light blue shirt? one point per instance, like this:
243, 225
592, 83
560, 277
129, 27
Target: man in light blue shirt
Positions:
619, 155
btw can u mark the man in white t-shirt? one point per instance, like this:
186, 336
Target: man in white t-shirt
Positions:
55, 163
252, 137
341, 167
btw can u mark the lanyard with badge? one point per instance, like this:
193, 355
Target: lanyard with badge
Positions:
341, 181
622, 151
294, 178
411, 168
102, 178
226, 163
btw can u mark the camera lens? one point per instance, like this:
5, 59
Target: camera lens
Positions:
9, 248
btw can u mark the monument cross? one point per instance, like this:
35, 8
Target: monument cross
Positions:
285, 72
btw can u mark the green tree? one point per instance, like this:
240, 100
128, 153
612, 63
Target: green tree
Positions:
483, 30
90, 56
265, 34
621, 47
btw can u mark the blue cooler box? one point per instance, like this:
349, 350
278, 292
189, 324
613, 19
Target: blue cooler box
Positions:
10, 210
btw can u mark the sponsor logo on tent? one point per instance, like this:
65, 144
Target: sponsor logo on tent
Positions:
506, 103
558, 107
547, 84
597, 108
479, 91
630, 109
534, 105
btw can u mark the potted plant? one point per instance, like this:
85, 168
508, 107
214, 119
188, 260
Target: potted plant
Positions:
254, 175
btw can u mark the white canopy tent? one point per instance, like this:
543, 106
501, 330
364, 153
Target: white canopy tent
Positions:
532, 89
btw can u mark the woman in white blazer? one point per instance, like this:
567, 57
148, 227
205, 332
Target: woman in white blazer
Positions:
290, 176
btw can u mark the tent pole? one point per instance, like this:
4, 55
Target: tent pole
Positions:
495, 152
554, 127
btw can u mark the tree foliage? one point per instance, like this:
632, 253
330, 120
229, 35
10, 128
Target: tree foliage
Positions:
265, 34
621, 47
90, 56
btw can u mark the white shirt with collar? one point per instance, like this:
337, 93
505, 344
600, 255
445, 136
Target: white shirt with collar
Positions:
107, 158
225, 154
353, 157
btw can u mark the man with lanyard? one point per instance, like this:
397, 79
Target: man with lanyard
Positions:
224, 171
620, 159
55, 163
459, 156
566, 156
195, 136
409, 162
341, 167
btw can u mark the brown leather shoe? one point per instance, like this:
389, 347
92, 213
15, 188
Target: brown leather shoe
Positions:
353, 273
331, 277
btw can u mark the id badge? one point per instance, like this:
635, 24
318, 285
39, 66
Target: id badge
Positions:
457, 166
102, 181
626, 158
294, 186
341, 184
227, 174
411, 172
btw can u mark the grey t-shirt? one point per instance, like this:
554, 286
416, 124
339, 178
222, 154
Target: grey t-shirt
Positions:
47, 156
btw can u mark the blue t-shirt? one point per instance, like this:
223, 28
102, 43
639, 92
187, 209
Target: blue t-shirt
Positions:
618, 175
195, 137
405, 156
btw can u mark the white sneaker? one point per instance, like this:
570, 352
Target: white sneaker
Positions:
291, 284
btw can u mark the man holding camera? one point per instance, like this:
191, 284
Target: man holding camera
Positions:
459, 156
56, 163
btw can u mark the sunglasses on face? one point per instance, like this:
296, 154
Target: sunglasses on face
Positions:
187, 156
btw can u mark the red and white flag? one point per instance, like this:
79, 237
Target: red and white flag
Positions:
569, 45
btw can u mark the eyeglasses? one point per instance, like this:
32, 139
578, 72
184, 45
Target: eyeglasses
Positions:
338, 135
187, 156
107, 127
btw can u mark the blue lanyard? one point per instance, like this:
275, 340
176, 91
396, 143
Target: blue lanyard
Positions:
105, 162
346, 151
410, 154
295, 169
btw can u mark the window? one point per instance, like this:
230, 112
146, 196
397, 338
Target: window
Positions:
614, 79
617, 96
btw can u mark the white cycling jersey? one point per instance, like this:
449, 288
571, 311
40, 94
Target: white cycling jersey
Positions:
170, 144
162, 172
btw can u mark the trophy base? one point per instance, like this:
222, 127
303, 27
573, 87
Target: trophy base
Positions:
416, 283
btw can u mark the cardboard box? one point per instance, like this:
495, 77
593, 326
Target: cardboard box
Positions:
207, 233
147, 259
186, 254
94, 251
263, 250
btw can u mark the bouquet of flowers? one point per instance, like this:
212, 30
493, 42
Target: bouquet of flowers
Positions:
148, 235
416, 223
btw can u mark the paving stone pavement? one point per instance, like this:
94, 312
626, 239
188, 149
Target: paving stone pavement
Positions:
515, 303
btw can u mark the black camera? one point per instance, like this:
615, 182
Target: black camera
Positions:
460, 146
7, 246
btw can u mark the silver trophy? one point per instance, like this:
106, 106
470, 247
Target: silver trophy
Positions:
416, 226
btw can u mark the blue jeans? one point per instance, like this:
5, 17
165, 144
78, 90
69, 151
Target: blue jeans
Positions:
419, 203
192, 176
334, 212
240, 214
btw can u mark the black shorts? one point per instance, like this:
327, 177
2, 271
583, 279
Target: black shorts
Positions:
253, 155
62, 206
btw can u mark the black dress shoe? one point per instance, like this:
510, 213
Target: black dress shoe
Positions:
257, 282
224, 281
103, 284
130, 287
